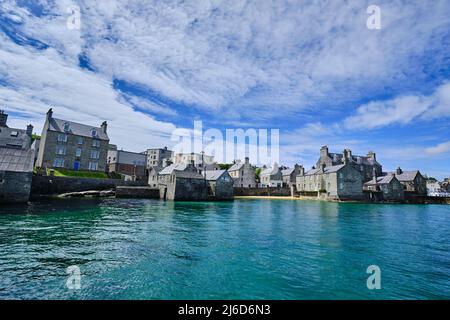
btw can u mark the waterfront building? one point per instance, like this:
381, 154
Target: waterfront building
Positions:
74, 146
413, 182
243, 174
130, 165
16, 162
153, 175
182, 182
271, 177
157, 156
220, 184
365, 164
384, 188
338, 182
290, 175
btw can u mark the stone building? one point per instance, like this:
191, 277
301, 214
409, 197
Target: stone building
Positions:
412, 181
339, 182
74, 146
220, 185
16, 162
243, 174
365, 164
131, 165
201, 161
384, 188
182, 182
272, 177
290, 175
157, 157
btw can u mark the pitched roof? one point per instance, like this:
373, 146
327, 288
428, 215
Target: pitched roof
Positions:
14, 138
187, 174
407, 175
17, 160
236, 166
381, 180
76, 128
338, 157
326, 170
287, 172
270, 171
172, 167
213, 175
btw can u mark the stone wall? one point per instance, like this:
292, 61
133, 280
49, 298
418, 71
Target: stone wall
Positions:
15, 186
272, 191
47, 185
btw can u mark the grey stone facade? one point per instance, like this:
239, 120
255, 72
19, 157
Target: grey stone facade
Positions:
16, 162
385, 188
341, 182
73, 146
220, 185
365, 164
271, 177
412, 181
290, 175
243, 174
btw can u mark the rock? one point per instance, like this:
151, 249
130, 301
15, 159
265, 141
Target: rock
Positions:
90, 194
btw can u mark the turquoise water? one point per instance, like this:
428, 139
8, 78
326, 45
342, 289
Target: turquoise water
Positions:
246, 249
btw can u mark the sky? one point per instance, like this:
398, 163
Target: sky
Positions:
312, 69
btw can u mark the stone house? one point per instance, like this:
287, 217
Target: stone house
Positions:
220, 185
16, 162
243, 174
201, 161
182, 182
157, 156
412, 181
153, 175
290, 175
271, 177
384, 188
338, 182
74, 146
365, 164
131, 165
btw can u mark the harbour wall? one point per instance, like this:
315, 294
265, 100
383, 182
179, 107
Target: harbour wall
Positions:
264, 192
48, 185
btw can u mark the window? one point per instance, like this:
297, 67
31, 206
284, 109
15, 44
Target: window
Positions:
94, 132
78, 152
66, 127
58, 163
93, 166
96, 143
80, 140
95, 154
341, 185
61, 150
62, 137
14, 133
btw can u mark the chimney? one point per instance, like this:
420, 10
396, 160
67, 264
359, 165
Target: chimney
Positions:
372, 155
3, 118
398, 171
104, 126
324, 151
374, 174
322, 167
302, 171
247, 160
49, 114
29, 130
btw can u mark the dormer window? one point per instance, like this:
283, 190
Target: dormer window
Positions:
14, 133
94, 132
66, 127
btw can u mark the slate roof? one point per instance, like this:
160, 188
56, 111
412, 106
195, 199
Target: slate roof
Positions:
21, 140
287, 172
380, 180
187, 174
172, 167
213, 175
338, 158
16, 160
326, 170
236, 166
407, 175
270, 171
76, 128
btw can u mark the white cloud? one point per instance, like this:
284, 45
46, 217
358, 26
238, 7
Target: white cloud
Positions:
439, 149
402, 110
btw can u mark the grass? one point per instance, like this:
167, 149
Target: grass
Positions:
78, 174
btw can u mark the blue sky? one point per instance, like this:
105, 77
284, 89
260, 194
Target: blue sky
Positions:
312, 70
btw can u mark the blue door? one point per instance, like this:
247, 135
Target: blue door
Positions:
76, 165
